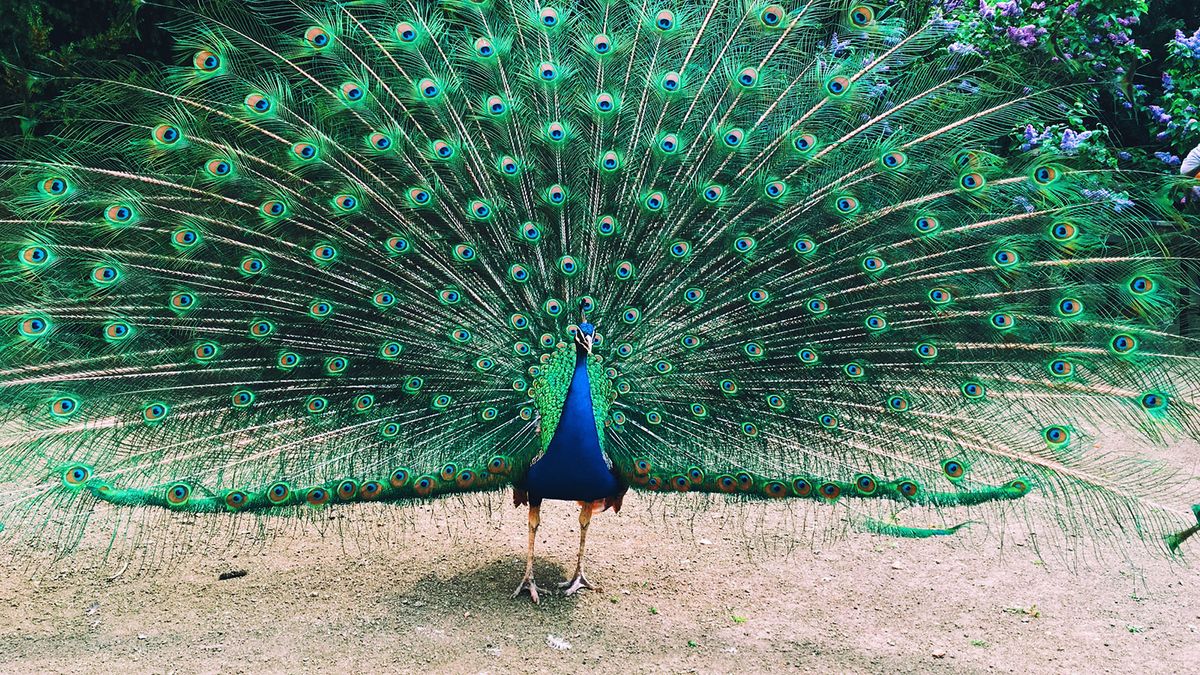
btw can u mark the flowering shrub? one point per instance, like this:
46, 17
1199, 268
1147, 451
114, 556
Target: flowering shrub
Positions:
1143, 64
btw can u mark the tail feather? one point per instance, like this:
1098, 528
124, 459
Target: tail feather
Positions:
338, 244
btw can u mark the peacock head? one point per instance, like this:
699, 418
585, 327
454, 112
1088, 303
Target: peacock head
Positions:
584, 337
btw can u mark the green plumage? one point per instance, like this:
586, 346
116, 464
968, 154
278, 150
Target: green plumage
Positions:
330, 255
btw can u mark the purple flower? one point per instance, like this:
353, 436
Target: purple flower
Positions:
1025, 36
1010, 9
1168, 159
1071, 141
1184, 44
1072, 9
962, 48
1124, 155
986, 12
1159, 114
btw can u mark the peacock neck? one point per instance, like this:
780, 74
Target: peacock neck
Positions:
574, 466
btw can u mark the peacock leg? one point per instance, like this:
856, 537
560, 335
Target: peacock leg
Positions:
528, 584
580, 581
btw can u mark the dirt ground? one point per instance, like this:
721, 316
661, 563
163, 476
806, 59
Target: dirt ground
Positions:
683, 591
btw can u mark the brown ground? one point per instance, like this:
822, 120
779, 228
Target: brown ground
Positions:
683, 591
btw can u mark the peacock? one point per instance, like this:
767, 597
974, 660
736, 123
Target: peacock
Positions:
392, 250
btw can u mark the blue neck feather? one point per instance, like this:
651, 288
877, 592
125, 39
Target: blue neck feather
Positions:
573, 466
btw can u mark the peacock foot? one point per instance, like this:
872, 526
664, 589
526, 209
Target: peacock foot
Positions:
528, 584
575, 585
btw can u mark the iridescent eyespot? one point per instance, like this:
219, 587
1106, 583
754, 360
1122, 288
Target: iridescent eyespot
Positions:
808, 355
419, 196
406, 32
973, 390
1056, 436
664, 20
862, 16
206, 61
605, 103
693, 296
669, 144
606, 226
745, 244
319, 309
1123, 343
758, 296
625, 270
428, 88
775, 189
669, 82
218, 168
1002, 320
495, 105
712, 194
846, 204
873, 264
548, 17
64, 406
865, 484
273, 208
653, 417
1154, 401
926, 224
206, 351
726, 483
178, 494
351, 91
242, 398
729, 387
837, 86
655, 201
1046, 174
907, 488
182, 301
972, 181
816, 306
105, 275
118, 214
733, 138
830, 491
601, 44
316, 37
185, 238
484, 48
479, 209
236, 500
115, 331
1141, 285
165, 134
261, 328
804, 246
316, 496
898, 403
279, 492
305, 151
336, 365
316, 404
893, 160
556, 194
1005, 258
748, 77
324, 252
379, 141
34, 326
775, 401
631, 315
698, 410
547, 71
252, 265
346, 202
364, 402
391, 430
689, 341
610, 161
805, 143
287, 360
927, 350
76, 475
854, 370
1063, 232
953, 468
154, 412
460, 335
940, 296
680, 249
1061, 368
555, 132
771, 15
258, 104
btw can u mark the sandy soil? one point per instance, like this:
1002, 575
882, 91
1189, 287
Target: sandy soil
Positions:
682, 592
